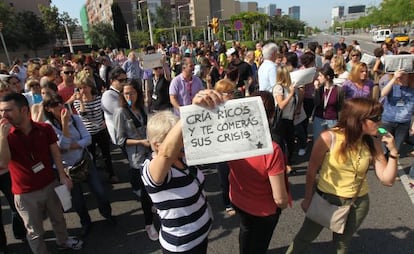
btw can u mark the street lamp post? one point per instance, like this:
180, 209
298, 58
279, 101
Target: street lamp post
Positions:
179, 15
149, 20
140, 13
4, 44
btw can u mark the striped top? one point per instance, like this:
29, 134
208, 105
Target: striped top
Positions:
92, 117
182, 208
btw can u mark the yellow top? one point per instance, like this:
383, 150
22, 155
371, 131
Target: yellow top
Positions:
341, 176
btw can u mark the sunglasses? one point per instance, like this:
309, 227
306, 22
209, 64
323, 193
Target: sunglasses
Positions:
376, 118
68, 72
157, 68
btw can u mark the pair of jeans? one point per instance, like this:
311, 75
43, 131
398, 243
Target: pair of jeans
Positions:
102, 139
96, 186
223, 172
320, 124
310, 229
256, 231
285, 131
146, 202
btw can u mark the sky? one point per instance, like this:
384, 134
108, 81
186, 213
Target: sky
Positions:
313, 12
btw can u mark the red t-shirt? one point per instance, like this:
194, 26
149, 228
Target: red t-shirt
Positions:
65, 91
26, 152
250, 188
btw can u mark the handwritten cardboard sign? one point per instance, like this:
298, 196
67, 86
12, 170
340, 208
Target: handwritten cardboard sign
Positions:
303, 76
399, 62
234, 130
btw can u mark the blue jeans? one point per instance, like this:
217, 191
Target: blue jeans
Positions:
97, 188
411, 173
320, 124
398, 130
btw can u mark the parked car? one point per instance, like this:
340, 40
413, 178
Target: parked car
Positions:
403, 39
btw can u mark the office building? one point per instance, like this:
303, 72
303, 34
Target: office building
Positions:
294, 12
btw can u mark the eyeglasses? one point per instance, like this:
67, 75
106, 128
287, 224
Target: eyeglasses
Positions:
376, 118
355, 55
157, 68
68, 72
122, 80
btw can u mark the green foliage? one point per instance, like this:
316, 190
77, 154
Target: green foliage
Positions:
7, 18
163, 17
103, 35
388, 13
31, 30
140, 39
54, 22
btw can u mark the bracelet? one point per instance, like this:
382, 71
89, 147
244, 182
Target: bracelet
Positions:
395, 157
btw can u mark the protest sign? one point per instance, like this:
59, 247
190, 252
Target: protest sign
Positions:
234, 130
368, 60
303, 77
399, 62
152, 60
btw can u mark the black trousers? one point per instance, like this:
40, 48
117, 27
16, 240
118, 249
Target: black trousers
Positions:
19, 230
256, 231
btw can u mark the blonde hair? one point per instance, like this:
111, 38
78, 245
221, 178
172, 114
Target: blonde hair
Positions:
159, 124
224, 86
354, 75
283, 76
31, 82
339, 65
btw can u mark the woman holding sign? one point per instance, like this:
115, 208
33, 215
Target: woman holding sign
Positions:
175, 188
258, 185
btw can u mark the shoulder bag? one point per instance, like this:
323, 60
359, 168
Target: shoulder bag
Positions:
79, 171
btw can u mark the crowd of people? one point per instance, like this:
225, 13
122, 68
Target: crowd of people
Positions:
65, 108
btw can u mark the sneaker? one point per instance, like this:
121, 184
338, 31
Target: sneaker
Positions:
71, 243
137, 192
230, 211
302, 152
151, 232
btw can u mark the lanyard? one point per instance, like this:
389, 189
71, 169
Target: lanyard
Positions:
326, 99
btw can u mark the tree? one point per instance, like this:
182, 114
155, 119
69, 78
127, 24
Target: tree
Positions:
32, 32
54, 22
103, 35
163, 17
7, 18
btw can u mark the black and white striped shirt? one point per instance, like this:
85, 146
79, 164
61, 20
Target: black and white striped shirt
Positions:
182, 207
92, 117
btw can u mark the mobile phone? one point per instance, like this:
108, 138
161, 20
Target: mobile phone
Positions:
382, 131
68, 107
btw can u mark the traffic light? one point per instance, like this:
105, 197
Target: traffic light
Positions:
214, 25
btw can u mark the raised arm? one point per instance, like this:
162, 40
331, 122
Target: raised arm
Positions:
168, 152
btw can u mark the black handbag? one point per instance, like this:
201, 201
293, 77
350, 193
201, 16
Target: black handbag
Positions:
79, 172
